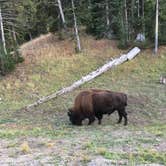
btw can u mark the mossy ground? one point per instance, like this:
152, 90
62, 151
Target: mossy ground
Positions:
46, 129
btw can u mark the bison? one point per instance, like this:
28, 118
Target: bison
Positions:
94, 103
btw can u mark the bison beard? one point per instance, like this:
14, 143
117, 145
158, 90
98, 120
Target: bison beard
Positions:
94, 103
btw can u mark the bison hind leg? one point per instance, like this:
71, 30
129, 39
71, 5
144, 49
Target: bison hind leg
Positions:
120, 117
125, 117
122, 113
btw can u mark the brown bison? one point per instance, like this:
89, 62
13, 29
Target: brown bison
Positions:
94, 103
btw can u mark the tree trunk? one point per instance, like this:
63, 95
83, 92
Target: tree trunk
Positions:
2, 33
89, 4
126, 21
132, 19
143, 17
14, 35
62, 14
138, 9
76, 27
107, 14
130, 55
30, 36
156, 27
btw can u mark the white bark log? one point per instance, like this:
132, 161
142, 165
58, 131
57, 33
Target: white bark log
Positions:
89, 77
131, 54
76, 27
2, 33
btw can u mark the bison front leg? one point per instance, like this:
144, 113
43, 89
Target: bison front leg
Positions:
99, 117
91, 119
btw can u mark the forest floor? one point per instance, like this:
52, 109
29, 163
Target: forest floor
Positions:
44, 135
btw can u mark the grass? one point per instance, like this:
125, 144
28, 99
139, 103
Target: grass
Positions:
46, 128
145, 156
157, 129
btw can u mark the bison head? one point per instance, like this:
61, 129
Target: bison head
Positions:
75, 117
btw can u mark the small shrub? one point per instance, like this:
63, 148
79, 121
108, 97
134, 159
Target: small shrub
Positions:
143, 45
8, 61
25, 147
102, 151
123, 44
85, 158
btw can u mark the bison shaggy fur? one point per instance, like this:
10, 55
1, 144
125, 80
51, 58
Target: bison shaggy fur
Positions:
94, 103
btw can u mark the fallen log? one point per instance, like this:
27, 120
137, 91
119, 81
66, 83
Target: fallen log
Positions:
130, 55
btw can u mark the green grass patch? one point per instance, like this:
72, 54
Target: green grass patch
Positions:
114, 156
142, 157
150, 156
158, 129
3, 121
35, 132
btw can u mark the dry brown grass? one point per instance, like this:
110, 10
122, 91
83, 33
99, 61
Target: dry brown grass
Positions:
50, 46
46, 46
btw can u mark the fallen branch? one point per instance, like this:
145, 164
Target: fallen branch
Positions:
130, 55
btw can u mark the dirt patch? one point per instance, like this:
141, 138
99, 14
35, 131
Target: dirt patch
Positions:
140, 100
161, 146
100, 161
42, 151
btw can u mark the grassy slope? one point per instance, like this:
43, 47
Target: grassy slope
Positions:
46, 128
50, 65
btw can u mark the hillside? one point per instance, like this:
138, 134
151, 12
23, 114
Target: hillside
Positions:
50, 65
43, 135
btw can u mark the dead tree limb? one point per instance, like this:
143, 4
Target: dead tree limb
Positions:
130, 55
